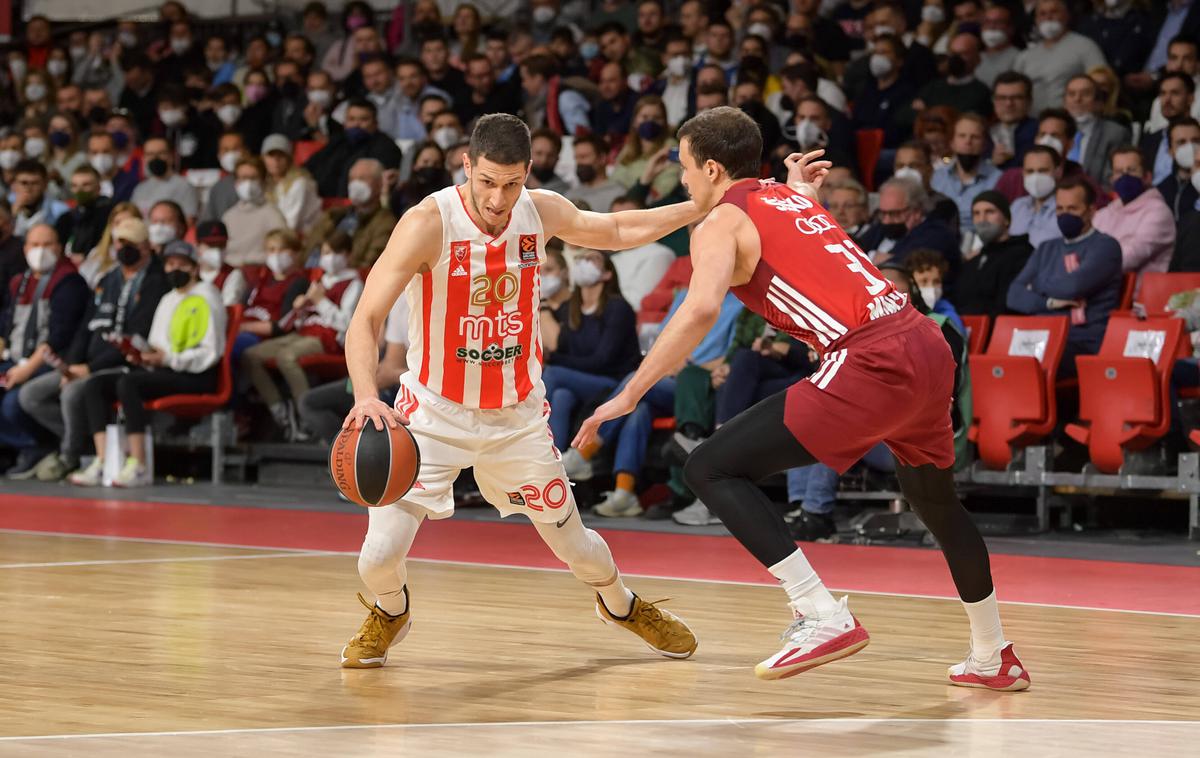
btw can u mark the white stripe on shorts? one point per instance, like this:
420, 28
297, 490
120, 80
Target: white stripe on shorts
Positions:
828, 369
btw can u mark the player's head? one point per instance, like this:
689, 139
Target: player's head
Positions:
717, 147
497, 165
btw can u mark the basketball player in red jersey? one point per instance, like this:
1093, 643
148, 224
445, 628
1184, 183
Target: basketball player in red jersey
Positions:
468, 259
886, 375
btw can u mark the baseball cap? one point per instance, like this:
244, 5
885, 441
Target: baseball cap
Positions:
131, 230
212, 233
181, 249
277, 142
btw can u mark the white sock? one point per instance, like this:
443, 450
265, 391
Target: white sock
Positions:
617, 598
800, 582
393, 603
987, 638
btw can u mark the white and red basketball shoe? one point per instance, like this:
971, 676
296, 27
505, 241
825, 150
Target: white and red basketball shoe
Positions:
1007, 676
814, 639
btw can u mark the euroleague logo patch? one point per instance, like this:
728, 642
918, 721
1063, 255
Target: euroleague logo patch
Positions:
460, 250
528, 247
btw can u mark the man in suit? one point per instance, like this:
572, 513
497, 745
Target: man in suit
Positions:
1095, 136
1175, 91
1183, 138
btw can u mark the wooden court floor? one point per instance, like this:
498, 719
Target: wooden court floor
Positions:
116, 647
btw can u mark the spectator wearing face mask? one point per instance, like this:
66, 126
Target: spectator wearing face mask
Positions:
1176, 92
116, 182
960, 88
222, 196
1178, 189
1059, 55
165, 224
103, 257
161, 182
999, 53
1077, 275
639, 269
252, 217
428, 175
290, 188
813, 127
594, 187
929, 269
211, 240
316, 122
367, 222
274, 292
81, 228
1034, 215
989, 268
648, 135
39, 95
184, 349
674, 85
545, 146
886, 93
361, 139
906, 225
317, 324
970, 173
1056, 130
1139, 219
63, 155
44, 309
123, 306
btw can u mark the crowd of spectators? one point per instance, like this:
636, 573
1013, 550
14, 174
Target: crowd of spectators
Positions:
1021, 156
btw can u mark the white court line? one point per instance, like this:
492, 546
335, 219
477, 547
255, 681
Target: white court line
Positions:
188, 559
593, 722
564, 570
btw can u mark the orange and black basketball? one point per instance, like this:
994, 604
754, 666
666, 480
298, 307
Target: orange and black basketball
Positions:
371, 467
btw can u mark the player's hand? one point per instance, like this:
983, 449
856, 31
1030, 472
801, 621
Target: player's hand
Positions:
619, 406
375, 411
805, 168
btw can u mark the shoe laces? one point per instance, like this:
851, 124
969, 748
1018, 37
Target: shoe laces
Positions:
653, 617
374, 627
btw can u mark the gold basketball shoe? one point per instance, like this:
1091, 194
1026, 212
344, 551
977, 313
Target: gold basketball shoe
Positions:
662, 631
369, 648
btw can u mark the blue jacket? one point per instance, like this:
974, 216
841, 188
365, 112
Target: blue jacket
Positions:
931, 234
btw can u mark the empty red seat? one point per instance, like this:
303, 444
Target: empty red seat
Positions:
1128, 283
1012, 386
868, 143
305, 149
977, 333
1124, 398
1157, 288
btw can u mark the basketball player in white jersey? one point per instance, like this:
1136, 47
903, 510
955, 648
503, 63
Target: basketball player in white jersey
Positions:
468, 258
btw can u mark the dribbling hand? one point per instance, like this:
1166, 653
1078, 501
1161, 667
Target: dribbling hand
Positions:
375, 411
804, 168
590, 431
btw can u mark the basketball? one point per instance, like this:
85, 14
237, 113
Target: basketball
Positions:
373, 468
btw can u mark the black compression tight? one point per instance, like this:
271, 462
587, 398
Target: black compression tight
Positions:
756, 444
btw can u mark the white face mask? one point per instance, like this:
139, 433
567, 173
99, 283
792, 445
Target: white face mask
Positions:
446, 137
210, 258
35, 147
41, 259
1051, 142
552, 284
229, 160
994, 37
931, 294
279, 263
229, 114
460, 175
883, 29
180, 45
128, 40
908, 172
320, 97
333, 263
18, 68
103, 163
761, 29
209, 274
56, 67
160, 234
1050, 30
77, 53
171, 116
9, 159
933, 14
249, 190
35, 92
808, 134
880, 65
586, 273
359, 192
1039, 185
677, 67
1185, 156
543, 15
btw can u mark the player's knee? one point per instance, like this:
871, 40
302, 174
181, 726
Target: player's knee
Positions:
379, 555
700, 468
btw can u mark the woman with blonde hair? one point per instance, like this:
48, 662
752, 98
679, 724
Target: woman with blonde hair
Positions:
648, 135
1108, 91
103, 258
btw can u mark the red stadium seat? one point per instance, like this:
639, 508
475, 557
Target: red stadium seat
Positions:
977, 333
334, 202
1158, 287
666, 423
305, 149
1124, 391
868, 143
200, 406
1128, 282
1013, 388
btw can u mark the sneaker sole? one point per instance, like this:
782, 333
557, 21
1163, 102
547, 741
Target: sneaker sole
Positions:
374, 663
660, 651
1014, 685
771, 674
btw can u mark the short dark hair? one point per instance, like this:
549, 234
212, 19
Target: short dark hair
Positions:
340, 242
180, 217
501, 138
597, 142
1177, 122
545, 133
363, 104
1044, 150
541, 64
1014, 77
612, 26
924, 257
1188, 82
729, 137
1076, 181
1183, 40
805, 72
1128, 150
1063, 115
31, 166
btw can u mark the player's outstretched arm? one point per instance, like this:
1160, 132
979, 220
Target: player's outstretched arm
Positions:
415, 245
610, 231
714, 255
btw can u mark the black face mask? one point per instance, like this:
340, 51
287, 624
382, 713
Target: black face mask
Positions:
968, 162
894, 231
796, 41
97, 115
178, 278
129, 255
157, 167
428, 176
289, 89
956, 66
585, 173
543, 175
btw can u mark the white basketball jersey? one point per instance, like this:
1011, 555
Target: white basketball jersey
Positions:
473, 325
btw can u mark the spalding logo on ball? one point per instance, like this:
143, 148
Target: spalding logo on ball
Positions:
374, 468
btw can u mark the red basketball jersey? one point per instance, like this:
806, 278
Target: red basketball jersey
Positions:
812, 281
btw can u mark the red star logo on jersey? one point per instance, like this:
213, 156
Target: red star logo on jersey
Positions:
460, 250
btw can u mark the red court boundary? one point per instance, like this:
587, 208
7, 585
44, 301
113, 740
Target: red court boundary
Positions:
906, 571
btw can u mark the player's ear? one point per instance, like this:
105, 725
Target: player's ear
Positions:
467, 165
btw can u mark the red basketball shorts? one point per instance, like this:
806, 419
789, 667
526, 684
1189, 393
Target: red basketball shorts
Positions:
890, 381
